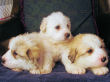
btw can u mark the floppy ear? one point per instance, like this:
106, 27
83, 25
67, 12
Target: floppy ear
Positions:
68, 21
43, 25
33, 54
73, 55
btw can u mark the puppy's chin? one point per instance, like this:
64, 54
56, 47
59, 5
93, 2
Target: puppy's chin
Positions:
87, 62
7, 65
99, 63
64, 39
61, 40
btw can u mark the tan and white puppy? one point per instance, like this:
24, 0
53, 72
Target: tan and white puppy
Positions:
54, 28
86, 51
24, 54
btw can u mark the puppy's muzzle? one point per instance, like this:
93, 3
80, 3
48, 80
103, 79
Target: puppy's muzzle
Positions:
67, 35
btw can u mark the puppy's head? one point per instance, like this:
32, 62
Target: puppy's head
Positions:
22, 54
56, 26
89, 51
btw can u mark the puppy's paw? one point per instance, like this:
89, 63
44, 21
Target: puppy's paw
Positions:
17, 70
34, 71
76, 70
100, 71
46, 71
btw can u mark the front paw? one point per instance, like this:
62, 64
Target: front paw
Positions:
76, 70
46, 71
100, 71
34, 71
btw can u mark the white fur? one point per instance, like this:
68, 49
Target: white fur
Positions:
11, 62
50, 22
47, 37
92, 61
21, 44
52, 37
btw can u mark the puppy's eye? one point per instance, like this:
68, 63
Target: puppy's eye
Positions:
28, 52
90, 51
102, 46
57, 27
14, 53
68, 26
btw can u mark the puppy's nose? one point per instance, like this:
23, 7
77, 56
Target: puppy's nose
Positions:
67, 35
103, 59
3, 60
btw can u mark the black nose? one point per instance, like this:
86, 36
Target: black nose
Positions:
103, 59
67, 35
3, 60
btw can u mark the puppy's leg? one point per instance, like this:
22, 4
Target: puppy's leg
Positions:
72, 67
100, 70
48, 64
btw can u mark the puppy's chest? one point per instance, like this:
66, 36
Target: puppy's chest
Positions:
53, 50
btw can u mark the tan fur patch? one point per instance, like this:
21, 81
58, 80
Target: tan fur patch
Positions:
72, 56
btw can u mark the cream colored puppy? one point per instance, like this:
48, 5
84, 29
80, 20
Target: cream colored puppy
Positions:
85, 51
54, 28
23, 54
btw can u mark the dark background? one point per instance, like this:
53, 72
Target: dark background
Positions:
101, 16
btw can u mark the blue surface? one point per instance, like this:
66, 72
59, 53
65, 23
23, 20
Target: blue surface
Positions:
58, 75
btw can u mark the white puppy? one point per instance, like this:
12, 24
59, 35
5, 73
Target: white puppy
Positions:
24, 54
54, 28
85, 51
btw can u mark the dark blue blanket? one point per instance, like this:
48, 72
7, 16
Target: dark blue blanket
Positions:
58, 75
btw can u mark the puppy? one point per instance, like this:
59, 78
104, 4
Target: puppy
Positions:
56, 26
24, 54
55, 29
85, 51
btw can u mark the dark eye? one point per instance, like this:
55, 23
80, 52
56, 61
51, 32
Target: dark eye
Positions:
28, 52
68, 25
14, 53
101, 46
90, 51
57, 27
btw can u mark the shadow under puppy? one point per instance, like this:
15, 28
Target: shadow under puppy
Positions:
23, 54
85, 51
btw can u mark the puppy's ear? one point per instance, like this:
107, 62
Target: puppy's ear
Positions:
68, 21
33, 54
73, 55
43, 25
